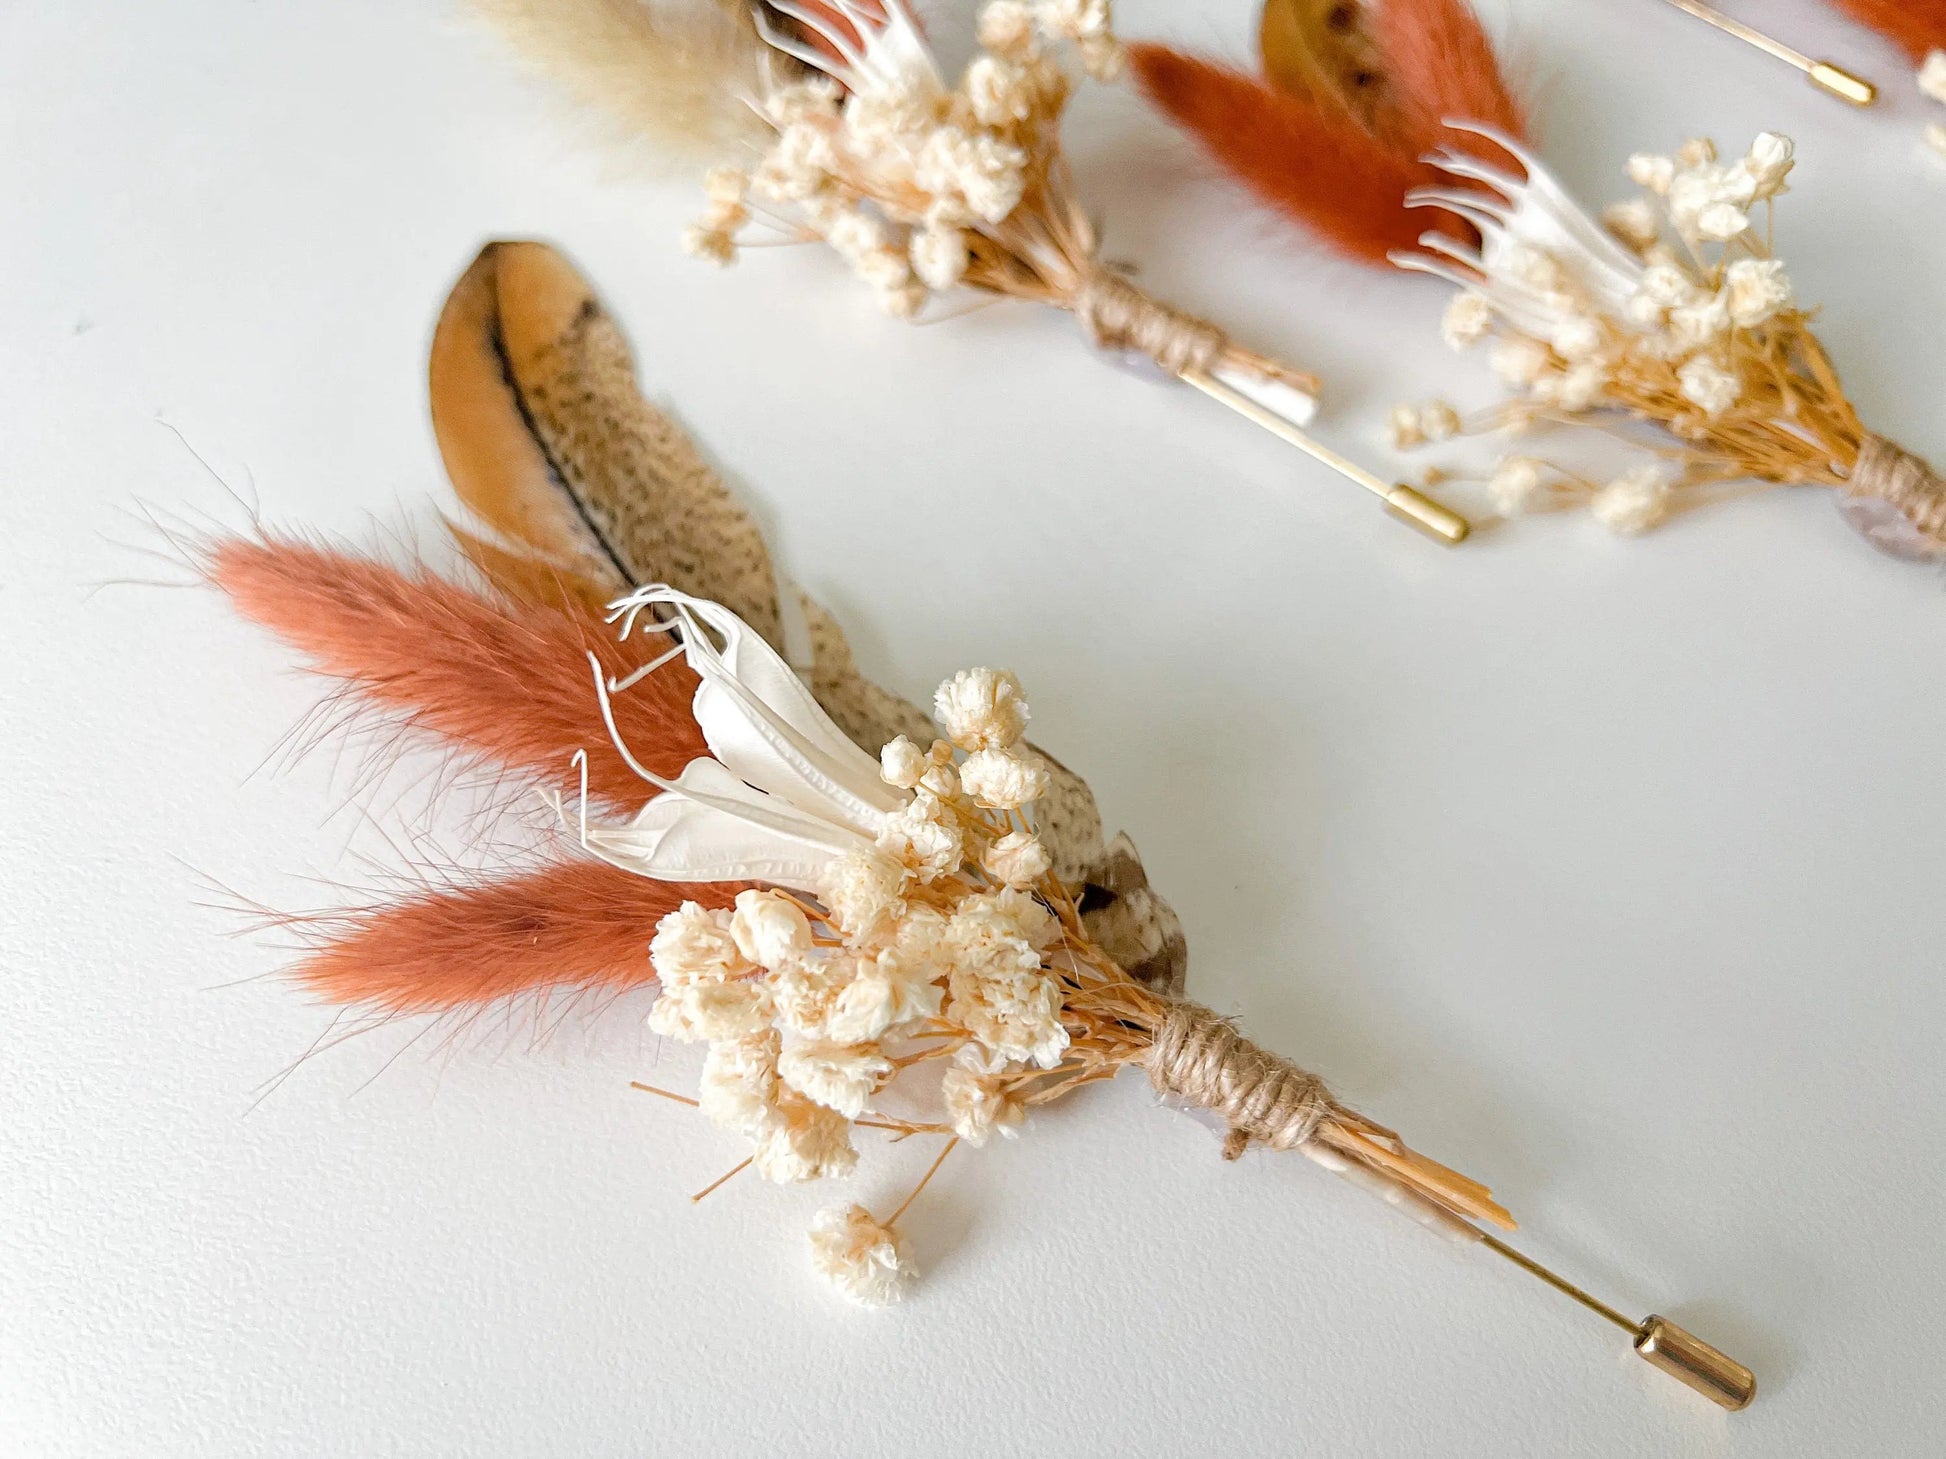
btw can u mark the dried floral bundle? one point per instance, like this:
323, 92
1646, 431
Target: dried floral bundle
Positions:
1672, 311
922, 186
1353, 95
897, 932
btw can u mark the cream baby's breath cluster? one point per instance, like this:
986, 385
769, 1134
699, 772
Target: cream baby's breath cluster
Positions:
933, 947
904, 176
1932, 83
1671, 310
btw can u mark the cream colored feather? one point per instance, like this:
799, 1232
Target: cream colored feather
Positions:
676, 74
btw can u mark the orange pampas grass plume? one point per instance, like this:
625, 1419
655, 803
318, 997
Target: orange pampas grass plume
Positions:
1918, 27
507, 682
1334, 136
581, 925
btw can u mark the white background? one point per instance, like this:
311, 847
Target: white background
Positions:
1608, 871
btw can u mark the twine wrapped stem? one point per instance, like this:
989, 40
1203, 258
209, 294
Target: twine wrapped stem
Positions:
1200, 1057
1893, 474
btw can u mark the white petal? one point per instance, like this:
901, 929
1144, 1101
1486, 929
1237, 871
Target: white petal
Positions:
713, 827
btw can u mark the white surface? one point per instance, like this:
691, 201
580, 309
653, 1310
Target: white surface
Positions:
1606, 870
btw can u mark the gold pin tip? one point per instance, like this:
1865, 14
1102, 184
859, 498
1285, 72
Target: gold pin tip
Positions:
1842, 84
1441, 523
1687, 1358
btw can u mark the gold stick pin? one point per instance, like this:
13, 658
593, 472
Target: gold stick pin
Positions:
1438, 522
1823, 74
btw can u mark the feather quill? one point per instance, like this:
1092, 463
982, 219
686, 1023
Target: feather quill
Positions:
673, 73
1335, 138
1918, 27
506, 682
580, 925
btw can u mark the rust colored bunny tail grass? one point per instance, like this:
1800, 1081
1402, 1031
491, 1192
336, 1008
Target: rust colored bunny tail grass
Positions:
1312, 162
1335, 137
1918, 27
506, 682
574, 925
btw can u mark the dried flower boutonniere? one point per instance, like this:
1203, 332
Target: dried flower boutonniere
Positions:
924, 186
913, 934
1671, 311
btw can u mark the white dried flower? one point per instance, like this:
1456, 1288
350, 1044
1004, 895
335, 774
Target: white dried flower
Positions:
726, 184
1577, 337
813, 98
738, 1089
1667, 285
979, 1105
1708, 386
1581, 385
902, 301
1769, 162
1696, 152
894, 989
924, 837
695, 944
1403, 427
901, 763
986, 173
1518, 360
1003, 779
837, 1076
990, 924
1755, 289
1102, 57
804, 997
1516, 485
694, 1012
1467, 320
1704, 322
1720, 222
999, 92
802, 1140
1632, 503
1017, 1015
712, 245
1932, 75
1007, 29
868, 1262
1634, 222
863, 891
941, 779
1646, 170
1438, 421
1018, 859
939, 256
770, 929
1076, 19
1531, 266
981, 709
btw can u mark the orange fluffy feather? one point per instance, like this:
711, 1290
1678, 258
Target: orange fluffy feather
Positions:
1314, 160
507, 682
1916, 26
579, 925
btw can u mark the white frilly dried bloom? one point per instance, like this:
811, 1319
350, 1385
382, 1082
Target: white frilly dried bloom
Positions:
802, 1140
696, 944
1438, 421
1632, 503
901, 763
894, 989
1516, 486
1932, 75
1633, 221
837, 1076
939, 256
1017, 859
864, 891
1647, 170
1402, 427
710, 244
1003, 779
1518, 360
770, 929
738, 1089
1467, 320
1755, 289
1769, 162
979, 1104
868, 1262
999, 92
981, 709
1708, 386
1007, 29
924, 837
804, 997
1000, 993
695, 1012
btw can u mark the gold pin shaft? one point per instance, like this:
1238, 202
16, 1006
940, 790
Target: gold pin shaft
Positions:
1438, 522
1835, 80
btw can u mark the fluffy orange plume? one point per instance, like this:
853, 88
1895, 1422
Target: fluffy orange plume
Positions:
1314, 164
1313, 157
1917, 26
578, 925
510, 683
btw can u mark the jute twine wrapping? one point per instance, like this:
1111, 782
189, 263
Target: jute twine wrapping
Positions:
1894, 474
1203, 1059
1119, 316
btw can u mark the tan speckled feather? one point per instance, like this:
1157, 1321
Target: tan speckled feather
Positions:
585, 488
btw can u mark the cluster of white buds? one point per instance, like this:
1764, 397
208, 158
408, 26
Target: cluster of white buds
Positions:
930, 944
1671, 310
1932, 83
898, 172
